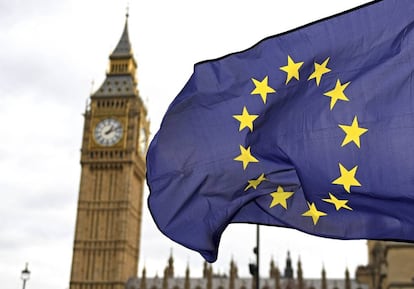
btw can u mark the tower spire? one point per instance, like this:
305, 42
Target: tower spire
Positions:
288, 268
123, 48
300, 275
121, 77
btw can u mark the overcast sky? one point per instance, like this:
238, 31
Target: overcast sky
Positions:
51, 52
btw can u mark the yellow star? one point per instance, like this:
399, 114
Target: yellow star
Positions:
337, 93
292, 69
246, 119
353, 132
262, 88
339, 204
245, 157
255, 182
320, 69
314, 213
280, 197
347, 178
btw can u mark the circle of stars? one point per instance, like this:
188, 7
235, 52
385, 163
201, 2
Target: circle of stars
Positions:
353, 133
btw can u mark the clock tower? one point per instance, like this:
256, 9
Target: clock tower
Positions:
115, 139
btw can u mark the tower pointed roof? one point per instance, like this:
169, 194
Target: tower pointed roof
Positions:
123, 48
288, 268
120, 79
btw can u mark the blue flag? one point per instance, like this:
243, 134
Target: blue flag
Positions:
311, 129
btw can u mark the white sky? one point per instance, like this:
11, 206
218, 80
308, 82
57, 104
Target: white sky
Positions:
49, 54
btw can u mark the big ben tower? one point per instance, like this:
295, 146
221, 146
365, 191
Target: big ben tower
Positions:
108, 225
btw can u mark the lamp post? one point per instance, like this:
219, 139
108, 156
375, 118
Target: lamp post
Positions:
25, 275
255, 268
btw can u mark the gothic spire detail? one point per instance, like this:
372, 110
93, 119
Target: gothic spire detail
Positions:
143, 284
123, 48
323, 281
170, 267
301, 284
288, 268
121, 77
347, 279
187, 282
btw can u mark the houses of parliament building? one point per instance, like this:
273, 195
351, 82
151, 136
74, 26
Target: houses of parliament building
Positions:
109, 212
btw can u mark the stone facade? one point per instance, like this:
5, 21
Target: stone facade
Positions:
390, 266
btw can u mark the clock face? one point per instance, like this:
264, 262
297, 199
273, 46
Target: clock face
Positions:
108, 132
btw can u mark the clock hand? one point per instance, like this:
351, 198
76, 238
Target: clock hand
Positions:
109, 131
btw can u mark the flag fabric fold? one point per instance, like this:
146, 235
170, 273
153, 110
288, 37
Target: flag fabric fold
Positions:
311, 129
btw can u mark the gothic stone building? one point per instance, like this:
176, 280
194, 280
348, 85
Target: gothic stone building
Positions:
390, 266
288, 279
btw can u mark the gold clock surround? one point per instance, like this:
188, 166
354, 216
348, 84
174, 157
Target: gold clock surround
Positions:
94, 144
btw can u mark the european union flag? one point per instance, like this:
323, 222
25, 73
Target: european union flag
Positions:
312, 129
